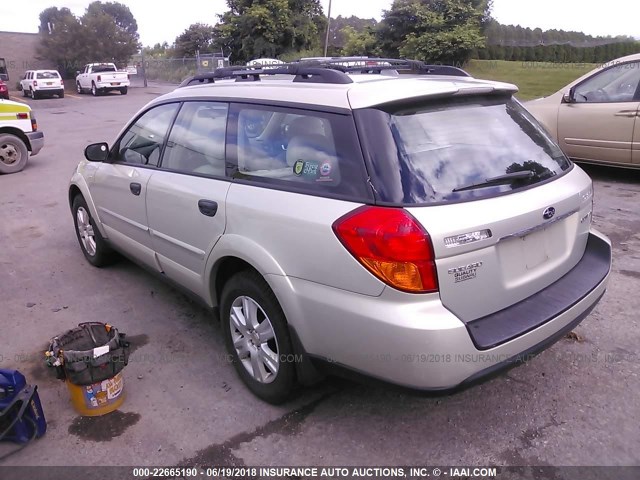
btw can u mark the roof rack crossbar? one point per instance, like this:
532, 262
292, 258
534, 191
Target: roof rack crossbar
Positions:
331, 71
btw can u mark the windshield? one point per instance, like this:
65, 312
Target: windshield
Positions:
459, 149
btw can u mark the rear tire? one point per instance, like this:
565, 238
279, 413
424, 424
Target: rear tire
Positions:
61, 94
94, 91
13, 153
257, 337
93, 246
124, 90
79, 88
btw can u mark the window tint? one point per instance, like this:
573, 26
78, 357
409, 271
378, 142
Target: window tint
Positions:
142, 142
309, 151
615, 84
197, 140
43, 75
437, 152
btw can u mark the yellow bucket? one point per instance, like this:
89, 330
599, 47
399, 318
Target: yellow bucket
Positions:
99, 398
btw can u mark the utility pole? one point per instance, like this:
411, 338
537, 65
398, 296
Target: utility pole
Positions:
326, 38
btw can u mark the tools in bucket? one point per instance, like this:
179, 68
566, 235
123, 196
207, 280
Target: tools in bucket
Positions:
90, 358
21, 415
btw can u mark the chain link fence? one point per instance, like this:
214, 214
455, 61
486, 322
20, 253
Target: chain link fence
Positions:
174, 70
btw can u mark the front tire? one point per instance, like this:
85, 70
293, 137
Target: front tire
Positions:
257, 337
13, 154
93, 246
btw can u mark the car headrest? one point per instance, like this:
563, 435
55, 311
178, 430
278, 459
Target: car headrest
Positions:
310, 148
306, 126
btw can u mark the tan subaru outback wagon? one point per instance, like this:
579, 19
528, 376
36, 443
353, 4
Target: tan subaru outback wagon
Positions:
396, 220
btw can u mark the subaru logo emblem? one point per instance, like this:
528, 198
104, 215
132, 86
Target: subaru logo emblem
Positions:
549, 213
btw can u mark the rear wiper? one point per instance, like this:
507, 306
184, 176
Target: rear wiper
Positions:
499, 180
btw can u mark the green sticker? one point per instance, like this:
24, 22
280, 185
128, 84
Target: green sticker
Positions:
298, 167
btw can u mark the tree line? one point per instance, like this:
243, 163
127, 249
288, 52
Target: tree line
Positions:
437, 31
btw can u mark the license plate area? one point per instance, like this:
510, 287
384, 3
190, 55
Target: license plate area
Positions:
115, 84
534, 248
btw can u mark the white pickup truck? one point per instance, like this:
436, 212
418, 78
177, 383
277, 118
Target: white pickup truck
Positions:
99, 78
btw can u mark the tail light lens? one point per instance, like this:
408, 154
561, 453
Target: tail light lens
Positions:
99, 78
392, 245
34, 123
62, 83
35, 83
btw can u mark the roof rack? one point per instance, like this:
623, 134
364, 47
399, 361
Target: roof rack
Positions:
329, 70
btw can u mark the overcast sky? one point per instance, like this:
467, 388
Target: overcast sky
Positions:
165, 20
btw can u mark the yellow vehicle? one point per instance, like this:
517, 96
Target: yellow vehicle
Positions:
19, 136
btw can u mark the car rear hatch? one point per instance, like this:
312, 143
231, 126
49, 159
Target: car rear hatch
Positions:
507, 213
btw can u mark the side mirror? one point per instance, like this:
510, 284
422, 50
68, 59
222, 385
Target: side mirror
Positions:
569, 97
77, 72
97, 152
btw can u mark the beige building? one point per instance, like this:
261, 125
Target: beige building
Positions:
19, 51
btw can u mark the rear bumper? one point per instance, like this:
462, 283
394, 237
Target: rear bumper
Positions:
108, 85
415, 342
36, 140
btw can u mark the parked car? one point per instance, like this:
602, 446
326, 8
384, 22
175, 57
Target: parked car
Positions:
99, 78
423, 230
594, 118
4, 90
40, 83
19, 136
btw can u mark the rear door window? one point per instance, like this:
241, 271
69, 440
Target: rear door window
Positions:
306, 151
456, 150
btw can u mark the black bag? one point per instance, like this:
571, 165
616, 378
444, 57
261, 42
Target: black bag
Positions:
74, 356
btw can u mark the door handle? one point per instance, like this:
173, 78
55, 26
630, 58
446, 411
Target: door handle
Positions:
208, 207
627, 113
135, 188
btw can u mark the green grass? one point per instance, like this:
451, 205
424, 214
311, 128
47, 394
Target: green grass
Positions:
535, 79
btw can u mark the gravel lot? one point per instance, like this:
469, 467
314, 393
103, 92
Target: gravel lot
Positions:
575, 404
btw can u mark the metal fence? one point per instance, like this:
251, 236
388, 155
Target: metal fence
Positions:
174, 70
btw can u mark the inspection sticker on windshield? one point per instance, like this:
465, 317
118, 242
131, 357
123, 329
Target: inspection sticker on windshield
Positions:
464, 273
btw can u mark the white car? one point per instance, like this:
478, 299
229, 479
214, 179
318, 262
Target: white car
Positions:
423, 229
100, 78
39, 83
19, 136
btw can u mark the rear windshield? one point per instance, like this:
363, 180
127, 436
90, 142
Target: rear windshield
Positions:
457, 150
43, 75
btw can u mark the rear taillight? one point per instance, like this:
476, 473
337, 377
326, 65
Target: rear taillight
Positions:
99, 78
62, 83
34, 124
392, 245
35, 83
